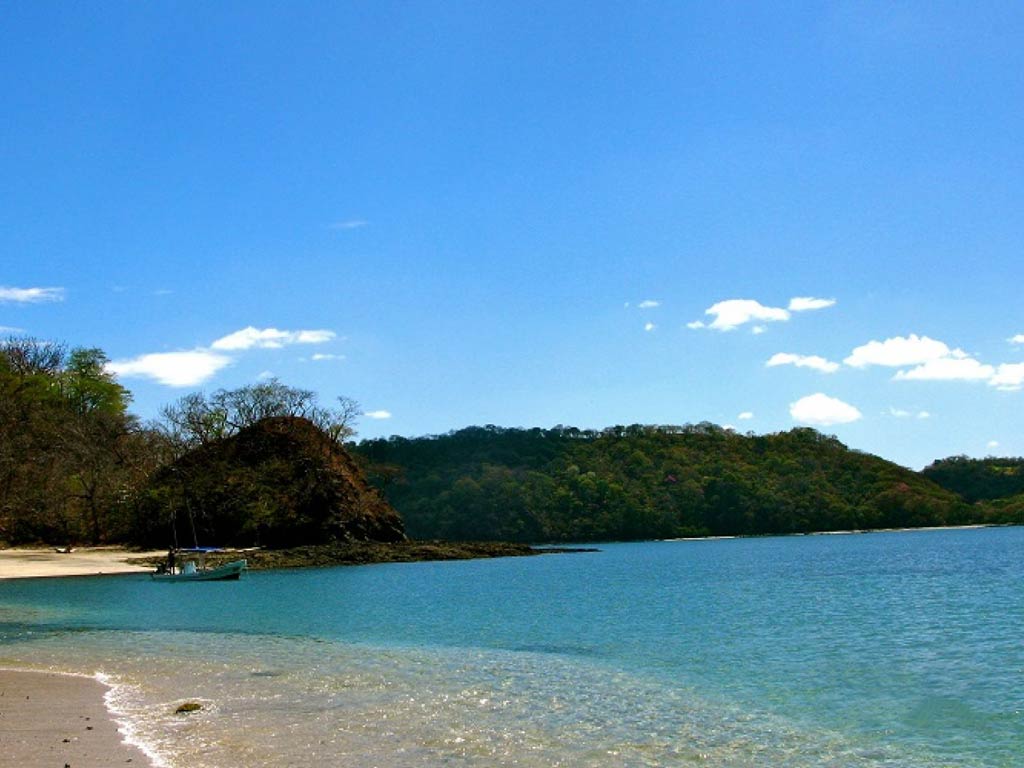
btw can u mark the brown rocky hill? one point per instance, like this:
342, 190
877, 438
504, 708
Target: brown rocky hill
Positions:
280, 483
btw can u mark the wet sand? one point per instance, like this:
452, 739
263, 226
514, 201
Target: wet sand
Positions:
90, 561
48, 719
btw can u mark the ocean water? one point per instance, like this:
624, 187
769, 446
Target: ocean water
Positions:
889, 649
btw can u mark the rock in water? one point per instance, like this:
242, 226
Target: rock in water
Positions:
281, 482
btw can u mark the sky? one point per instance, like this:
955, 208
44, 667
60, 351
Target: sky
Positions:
761, 215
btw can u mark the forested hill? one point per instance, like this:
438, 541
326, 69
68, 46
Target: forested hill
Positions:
996, 484
642, 482
978, 479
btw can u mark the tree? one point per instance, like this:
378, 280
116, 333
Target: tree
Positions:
198, 419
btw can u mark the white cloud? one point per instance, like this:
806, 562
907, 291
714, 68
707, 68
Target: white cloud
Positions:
649, 327
899, 351
733, 313
10, 329
313, 337
805, 303
1009, 377
948, 369
933, 360
992, 444
757, 330
649, 304
324, 356
824, 411
269, 338
1018, 339
814, 362
378, 414
265, 375
30, 295
900, 413
746, 415
175, 369
349, 224
695, 325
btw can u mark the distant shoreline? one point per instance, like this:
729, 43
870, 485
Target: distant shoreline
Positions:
849, 532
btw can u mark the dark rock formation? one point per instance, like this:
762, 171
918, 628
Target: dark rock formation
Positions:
279, 483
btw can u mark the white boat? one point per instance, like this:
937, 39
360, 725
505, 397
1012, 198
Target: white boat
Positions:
193, 571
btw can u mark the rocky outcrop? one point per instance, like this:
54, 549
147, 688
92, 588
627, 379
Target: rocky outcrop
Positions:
279, 483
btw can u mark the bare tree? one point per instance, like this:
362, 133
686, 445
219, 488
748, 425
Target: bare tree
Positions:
197, 419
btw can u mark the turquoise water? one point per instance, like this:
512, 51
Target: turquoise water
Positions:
892, 649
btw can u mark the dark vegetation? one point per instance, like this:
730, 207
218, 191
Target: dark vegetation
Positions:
266, 464
368, 552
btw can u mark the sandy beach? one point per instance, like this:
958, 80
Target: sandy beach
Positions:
88, 561
49, 719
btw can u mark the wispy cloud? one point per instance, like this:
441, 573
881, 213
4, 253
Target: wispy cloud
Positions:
379, 415
9, 295
649, 327
992, 444
174, 369
648, 304
820, 410
320, 356
746, 416
813, 362
348, 224
808, 303
1018, 339
269, 338
900, 413
10, 329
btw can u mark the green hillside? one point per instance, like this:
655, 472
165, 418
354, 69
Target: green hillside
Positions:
640, 482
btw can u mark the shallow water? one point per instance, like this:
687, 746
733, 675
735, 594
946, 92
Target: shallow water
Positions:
896, 649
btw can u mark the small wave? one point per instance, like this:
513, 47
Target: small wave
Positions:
114, 700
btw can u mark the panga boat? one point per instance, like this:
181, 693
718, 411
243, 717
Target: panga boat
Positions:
191, 571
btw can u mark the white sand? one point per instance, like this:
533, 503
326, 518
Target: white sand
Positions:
89, 561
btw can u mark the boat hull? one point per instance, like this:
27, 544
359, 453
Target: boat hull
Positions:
226, 572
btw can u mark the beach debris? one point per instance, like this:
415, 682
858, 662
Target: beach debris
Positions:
188, 706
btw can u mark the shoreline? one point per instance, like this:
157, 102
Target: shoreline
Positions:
47, 562
61, 718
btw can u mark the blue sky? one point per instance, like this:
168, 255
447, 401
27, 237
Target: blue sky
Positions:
517, 213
